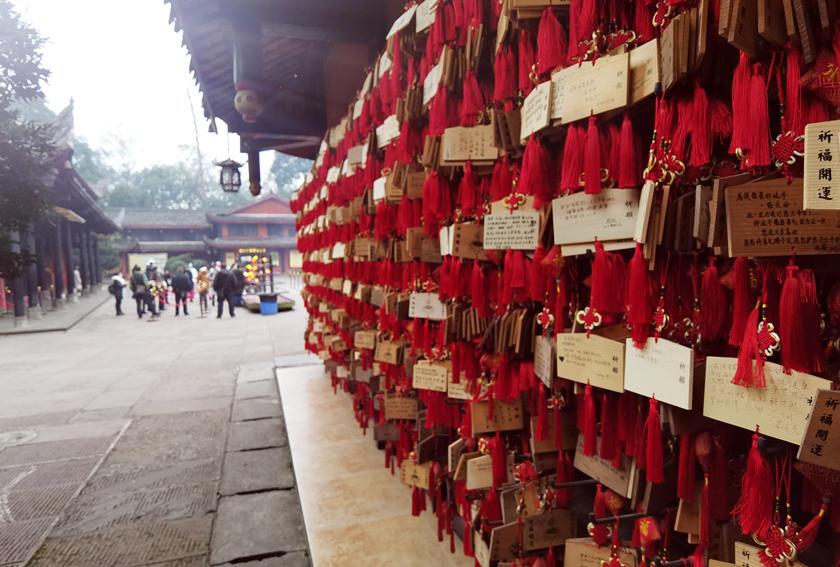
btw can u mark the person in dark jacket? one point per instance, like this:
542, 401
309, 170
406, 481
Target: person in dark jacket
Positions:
140, 292
116, 289
181, 285
224, 285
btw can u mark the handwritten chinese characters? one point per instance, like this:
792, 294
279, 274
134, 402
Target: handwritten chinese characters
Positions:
822, 166
662, 369
767, 219
821, 443
609, 215
591, 88
515, 231
593, 359
780, 410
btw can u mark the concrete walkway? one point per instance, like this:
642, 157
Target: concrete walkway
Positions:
60, 319
126, 442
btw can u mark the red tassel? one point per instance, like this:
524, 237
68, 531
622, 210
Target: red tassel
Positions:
719, 483
685, 475
397, 68
526, 62
504, 76
653, 446
638, 298
416, 501
609, 436
549, 558
468, 191
701, 131
572, 159
535, 178
791, 332
498, 454
589, 422
607, 281
705, 515
491, 508
479, 293
740, 104
472, 105
811, 321
758, 135
551, 43
627, 176
741, 303
755, 508
558, 429
793, 92
564, 474
808, 534
643, 21
541, 432
713, 303
501, 182
431, 197
468, 546
750, 371
592, 159
599, 510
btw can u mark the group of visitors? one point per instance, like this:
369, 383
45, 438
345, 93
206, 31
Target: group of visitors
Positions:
150, 288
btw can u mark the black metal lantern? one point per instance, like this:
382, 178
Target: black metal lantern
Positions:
229, 177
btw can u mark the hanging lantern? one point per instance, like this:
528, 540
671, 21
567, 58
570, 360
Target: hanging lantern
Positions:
249, 104
229, 177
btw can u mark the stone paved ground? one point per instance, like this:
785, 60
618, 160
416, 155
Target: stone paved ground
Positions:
125, 442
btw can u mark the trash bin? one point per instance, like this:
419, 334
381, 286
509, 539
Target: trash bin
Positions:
268, 303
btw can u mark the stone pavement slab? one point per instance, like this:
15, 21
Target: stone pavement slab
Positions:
256, 408
262, 388
256, 434
294, 559
255, 525
252, 471
151, 498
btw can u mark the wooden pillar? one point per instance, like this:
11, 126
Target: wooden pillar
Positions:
18, 285
68, 259
58, 254
97, 267
84, 261
32, 270
41, 250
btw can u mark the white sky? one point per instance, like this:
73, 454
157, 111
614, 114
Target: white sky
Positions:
124, 66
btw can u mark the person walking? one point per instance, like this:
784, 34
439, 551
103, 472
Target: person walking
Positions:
116, 289
224, 285
181, 285
203, 284
140, 291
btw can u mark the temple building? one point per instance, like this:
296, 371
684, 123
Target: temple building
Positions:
63, 242
263, 226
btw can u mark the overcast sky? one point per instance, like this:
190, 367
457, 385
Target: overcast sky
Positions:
124, 66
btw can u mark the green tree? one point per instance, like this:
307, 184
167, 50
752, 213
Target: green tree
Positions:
24, 145
287, 173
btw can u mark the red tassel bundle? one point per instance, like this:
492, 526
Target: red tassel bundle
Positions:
742, 302
811, 321
589, 422
794, 349
607, 281
609, 434
685, 474
755, 508
551, 43
750, 371
565, 473
472, 104
526, 62
653, 445
701, 131
418, 501
639, 307
504, 76
592, 159
535, 178
541, 431
479, 291
740, 105
468, 191
628, 175
599, 510
793, 92
713, 303
758, 133
558, 428
572, 159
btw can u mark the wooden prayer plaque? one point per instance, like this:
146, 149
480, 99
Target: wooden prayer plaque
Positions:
621, 480
821, 443
593, 359
663, 369
583, 552
413, 474
766, 218
549, 529
821, 185
780, 410
507, 416
400, 408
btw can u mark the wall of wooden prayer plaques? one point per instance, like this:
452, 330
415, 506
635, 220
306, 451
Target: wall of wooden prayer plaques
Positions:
578, 265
